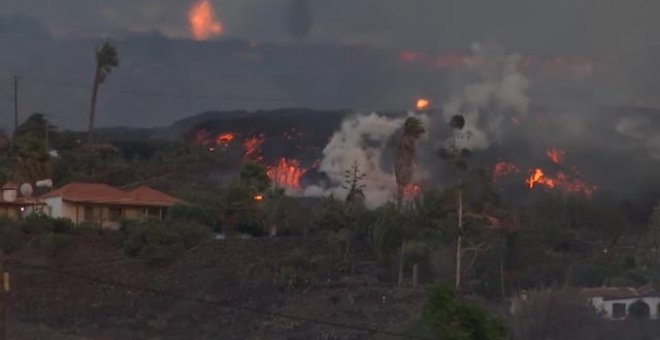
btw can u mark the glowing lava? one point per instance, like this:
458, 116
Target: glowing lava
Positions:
538, 178
562, 181
287, 173
502, 169
253, 147
556, 156
412, 191
202, 21
225, 138
423, 104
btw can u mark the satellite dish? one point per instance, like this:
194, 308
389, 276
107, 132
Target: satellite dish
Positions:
26, 190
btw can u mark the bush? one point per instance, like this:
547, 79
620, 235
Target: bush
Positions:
160, 241
10, 235
551, 314
41, 223
452, 319
300, 269
53, 242
199, 213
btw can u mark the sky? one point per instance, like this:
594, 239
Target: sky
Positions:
54, 40
571, 25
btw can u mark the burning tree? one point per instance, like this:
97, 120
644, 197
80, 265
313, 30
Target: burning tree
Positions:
107, 58
405, 155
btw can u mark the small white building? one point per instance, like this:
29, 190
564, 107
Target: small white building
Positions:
620, 303
104, 205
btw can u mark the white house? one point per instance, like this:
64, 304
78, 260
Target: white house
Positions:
104, 205
619, 303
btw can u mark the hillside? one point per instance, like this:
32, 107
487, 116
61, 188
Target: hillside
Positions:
242, 273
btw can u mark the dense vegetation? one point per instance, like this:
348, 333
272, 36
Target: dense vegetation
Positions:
552, 240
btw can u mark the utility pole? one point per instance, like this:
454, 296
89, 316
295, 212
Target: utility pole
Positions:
4, 289
15, 104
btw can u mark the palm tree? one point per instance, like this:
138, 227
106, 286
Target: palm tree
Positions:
405, 154
404, 166
459, 158
107, 58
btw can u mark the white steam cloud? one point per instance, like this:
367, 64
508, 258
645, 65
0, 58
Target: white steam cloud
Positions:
500, 93
361, 139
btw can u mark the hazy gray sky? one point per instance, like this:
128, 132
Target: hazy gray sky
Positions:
527, 24
312, 75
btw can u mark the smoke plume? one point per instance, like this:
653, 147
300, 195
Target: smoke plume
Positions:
299, 19
500, 93
362, 139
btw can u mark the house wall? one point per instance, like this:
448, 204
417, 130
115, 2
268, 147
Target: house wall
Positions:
607, 306
56, 209
10, 211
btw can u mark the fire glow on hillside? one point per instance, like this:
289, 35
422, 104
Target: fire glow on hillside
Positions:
561, 179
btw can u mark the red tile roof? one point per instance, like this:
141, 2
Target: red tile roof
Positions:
615, 293
105, 194
86, 192
146, 194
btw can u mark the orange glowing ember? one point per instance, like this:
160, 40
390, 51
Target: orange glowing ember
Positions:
556, 156
412, 191
502, 169
253, 146
202, 20
538, 178
258, 198
225, 138
287, 173
562, 181
423, 104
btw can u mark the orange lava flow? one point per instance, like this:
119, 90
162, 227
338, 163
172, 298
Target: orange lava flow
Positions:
203, 22
287, 173
225, 138
562, 181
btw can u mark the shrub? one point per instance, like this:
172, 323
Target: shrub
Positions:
300, 269
552, 314
199, 213
53, 242
36, 224
452, 319
41, 223
10, 235
160, 241
62, 226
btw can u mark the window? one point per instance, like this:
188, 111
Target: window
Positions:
618, 310
153, 212
115, 214
89, 214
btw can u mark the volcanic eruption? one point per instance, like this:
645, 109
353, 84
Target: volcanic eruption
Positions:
203, 22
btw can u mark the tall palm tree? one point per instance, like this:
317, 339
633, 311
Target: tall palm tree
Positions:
107, 58
405, 154
404, 166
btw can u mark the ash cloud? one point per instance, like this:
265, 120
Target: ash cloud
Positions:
299, 19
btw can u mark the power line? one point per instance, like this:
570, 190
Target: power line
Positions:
218, 303
146, 93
